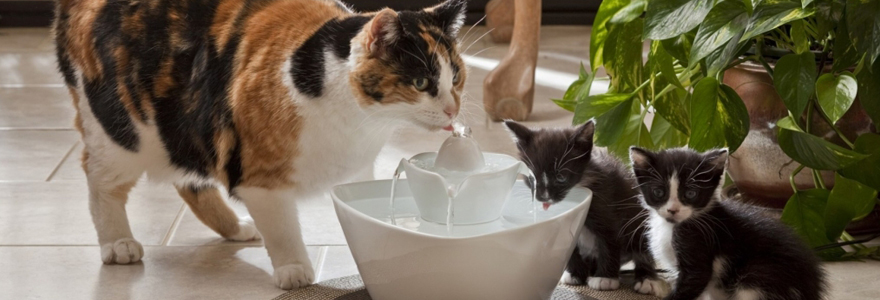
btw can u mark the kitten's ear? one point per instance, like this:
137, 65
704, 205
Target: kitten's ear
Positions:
450, 15
641, 158
717, 158
384, 31
584, 133
522, 134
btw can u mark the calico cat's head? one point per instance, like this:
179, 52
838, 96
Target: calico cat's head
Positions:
678, 184
556, 156
407, 65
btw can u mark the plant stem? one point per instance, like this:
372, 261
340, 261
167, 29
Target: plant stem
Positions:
848, 238
791, 178
831, 124
817, 180
759, 44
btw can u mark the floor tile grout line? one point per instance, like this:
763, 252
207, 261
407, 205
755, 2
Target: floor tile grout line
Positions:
174, 225
322, 258
61, 163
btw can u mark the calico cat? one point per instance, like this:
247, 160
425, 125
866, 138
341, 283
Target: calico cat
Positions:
273, 100
718, 249
564, 158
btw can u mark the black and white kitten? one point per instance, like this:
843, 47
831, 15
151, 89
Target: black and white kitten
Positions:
564, 158
718, 249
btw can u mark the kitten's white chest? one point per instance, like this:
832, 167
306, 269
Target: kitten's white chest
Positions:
660, 241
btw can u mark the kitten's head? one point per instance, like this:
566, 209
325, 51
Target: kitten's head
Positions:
679, 184
557, 156
407, 65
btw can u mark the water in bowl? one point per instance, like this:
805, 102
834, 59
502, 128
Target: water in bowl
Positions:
519, 210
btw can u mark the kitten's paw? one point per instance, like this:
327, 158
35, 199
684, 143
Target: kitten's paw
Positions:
569, 279
603, 283
656, 287
122, 251
246, 231
293, 276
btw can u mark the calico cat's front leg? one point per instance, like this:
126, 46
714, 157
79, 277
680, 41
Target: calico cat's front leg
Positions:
275, 214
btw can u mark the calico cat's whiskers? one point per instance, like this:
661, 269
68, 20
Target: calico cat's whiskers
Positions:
467, 33
481, 51
477, 40
416, 57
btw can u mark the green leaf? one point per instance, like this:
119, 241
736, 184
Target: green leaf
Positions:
768, 16
629, 12
599, 31
866, 171
635, 133
804, 212
795, 78
674, 109
662, 61
623, 56
799, 37
813, 151
680, 47
845, 54
669, 18
722, 117
827, 16
869, 92
735, 117
751, 4
863, 21
836, 94
664, 135
726, 20
597, 105
611, 125
565, 104
848, 201
707, 132
717, 61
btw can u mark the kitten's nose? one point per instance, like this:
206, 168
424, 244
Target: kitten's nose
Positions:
450, 111
672, 211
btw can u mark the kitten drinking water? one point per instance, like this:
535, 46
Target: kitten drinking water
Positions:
564, 158
717, 249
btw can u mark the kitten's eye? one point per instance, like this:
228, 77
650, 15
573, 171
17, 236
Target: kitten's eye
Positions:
561, 178
420, 83
455, 78
658, 192
690, 194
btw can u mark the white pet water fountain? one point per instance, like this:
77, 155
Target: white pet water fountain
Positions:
461, 226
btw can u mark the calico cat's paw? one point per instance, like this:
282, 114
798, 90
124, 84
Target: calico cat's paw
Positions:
603, 283
246, 231
569, 279
656, 287
294, 276
123, 251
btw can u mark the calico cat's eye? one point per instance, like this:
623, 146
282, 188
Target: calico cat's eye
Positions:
561, 178
690, 194
658, 192
421, 83
455, 78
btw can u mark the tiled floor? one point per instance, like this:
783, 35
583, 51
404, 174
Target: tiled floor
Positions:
48, 245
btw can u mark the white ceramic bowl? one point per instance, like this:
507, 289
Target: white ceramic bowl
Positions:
479, 199
510, 258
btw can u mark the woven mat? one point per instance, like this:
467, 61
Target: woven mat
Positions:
352, 288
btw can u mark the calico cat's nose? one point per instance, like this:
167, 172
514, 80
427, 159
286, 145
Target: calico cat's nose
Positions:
450, 111
672, 211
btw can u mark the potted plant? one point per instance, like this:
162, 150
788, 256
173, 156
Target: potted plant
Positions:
739, 73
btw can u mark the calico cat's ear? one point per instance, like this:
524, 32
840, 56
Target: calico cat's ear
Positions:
522, 134
717, 158
584, 133
384, 31
641, 158
450, 15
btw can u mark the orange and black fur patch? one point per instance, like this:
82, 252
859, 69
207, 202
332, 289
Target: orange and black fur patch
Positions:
206, 73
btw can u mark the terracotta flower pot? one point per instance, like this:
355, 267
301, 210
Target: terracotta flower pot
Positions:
759, 167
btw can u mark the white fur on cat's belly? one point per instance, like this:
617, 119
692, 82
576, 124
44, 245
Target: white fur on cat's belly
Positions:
586, 243
603, 283
656, 287
660, 242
